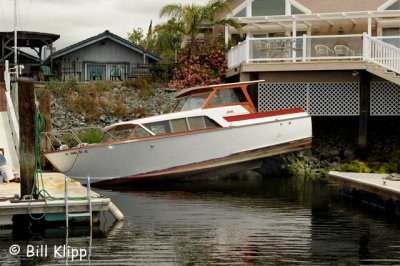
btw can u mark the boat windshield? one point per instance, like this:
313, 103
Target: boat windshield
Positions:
191, 102
124, 132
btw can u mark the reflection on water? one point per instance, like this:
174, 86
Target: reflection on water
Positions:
231, 222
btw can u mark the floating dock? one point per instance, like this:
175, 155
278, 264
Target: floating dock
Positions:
54, 185
381, 190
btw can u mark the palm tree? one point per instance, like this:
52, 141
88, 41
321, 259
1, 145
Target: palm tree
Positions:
148, 41
193, 18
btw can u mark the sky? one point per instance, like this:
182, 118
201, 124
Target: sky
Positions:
76, 20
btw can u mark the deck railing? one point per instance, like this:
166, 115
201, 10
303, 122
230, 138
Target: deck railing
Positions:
305, 49
383, 51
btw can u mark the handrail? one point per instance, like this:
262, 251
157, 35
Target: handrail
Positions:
381, 53
12, 114
56, 136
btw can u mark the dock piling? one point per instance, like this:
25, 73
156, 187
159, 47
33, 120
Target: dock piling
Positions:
26, 107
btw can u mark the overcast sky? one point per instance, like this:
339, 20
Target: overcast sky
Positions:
76, 20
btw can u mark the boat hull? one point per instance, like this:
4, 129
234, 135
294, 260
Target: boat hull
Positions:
184, 155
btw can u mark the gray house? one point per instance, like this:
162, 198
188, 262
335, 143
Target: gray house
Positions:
102, 57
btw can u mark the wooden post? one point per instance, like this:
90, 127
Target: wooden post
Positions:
364, 109
26, 99
45, 109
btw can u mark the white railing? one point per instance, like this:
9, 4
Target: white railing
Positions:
296, 49
383, 53
238, 54
11, 111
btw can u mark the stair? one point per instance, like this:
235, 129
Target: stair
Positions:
69, 214
383, 72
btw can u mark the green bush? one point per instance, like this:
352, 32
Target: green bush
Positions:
91, 135
370, 167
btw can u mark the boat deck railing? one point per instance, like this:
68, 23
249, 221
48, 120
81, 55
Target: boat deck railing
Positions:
72, 138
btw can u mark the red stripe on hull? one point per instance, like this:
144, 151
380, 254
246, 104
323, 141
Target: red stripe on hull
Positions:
263, 114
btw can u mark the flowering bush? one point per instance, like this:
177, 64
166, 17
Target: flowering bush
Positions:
204, 65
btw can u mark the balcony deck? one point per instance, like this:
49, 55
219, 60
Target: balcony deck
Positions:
311, 53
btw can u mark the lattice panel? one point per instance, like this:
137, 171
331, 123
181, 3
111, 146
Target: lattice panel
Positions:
319, 99
275, 96
385, 99
334, 98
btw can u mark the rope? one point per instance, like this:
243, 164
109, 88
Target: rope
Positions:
40, 126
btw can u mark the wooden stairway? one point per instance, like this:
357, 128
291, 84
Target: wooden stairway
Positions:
383, 73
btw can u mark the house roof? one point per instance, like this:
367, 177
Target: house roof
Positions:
29, 38
100, 37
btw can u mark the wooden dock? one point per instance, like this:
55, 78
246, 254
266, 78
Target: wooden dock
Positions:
381, 190
54, 184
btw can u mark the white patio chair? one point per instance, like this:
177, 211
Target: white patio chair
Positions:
323, 50
343, 50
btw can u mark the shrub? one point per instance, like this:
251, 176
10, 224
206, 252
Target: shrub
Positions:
91, 135
204, 65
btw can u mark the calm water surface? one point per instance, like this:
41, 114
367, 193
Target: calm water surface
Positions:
232, 222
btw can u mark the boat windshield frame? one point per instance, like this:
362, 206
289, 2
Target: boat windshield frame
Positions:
191, 102
131, 133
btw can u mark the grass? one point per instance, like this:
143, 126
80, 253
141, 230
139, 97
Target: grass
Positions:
370, 167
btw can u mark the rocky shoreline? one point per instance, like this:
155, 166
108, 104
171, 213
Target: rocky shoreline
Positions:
104, 108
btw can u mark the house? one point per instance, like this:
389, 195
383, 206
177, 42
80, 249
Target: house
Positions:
102, 57
333, 58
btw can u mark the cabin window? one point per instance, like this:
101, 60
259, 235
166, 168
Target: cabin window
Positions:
140, 133
200, 122
179, 125
191, 102
196, 123
228, 96
161, 127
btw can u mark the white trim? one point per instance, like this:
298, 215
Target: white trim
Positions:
246, 4
386, 4
299, 7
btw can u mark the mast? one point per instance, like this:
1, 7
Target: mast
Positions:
15, 39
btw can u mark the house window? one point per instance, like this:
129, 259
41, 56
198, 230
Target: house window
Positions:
241, 13
296, 11
394, 6
268, 7
391, 32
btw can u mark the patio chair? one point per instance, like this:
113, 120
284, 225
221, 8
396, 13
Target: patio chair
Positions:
96, 73
323, 50
343, 50
46, 72
115, 73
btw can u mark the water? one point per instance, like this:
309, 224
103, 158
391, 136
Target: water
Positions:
231, 222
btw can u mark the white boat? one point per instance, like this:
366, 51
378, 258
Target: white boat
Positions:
211, 128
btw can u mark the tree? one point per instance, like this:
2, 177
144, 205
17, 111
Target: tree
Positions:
167, 40
192, 17
136, 36
146, 42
